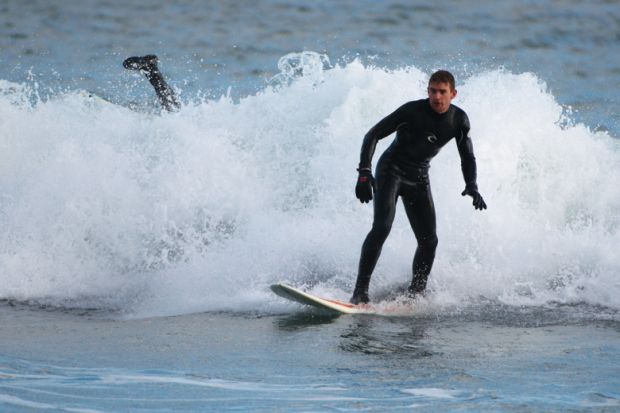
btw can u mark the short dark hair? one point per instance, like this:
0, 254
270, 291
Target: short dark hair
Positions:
442, 76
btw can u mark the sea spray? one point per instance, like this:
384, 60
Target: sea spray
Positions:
201, 210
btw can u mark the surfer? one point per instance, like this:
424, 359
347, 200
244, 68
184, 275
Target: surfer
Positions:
147, 65
422, 128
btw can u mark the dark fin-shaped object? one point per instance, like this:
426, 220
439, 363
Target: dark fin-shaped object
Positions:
148, 66
146, 63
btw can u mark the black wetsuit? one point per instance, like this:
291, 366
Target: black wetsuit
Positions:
148, 66
402, 171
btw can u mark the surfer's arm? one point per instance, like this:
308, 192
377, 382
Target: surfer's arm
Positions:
385, 127
468, 165
466, 152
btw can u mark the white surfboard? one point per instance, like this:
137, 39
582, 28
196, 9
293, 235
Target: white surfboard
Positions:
342, 307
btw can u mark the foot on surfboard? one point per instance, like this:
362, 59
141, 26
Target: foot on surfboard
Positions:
359, 297
333, 305
341, 307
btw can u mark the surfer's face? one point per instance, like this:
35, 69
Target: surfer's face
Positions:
440, 95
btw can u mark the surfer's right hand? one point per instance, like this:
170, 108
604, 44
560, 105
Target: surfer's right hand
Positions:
365, 185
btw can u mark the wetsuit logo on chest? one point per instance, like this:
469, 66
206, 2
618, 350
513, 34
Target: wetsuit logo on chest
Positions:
431, 138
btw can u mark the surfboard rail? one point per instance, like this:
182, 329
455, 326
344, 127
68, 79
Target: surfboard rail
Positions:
302, 297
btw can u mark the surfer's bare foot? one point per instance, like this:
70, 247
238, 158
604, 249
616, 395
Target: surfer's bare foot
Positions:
147, 62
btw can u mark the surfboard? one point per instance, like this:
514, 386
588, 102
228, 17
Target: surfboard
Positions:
329, 304
93, 99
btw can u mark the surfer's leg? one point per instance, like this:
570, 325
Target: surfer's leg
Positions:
384, 211
420, 210
148, 66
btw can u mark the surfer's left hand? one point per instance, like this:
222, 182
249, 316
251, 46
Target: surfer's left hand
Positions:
478, 200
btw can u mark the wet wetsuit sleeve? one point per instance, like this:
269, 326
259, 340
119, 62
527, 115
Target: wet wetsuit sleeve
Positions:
385, 127
466, 151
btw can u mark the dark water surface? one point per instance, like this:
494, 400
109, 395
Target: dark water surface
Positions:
504, 360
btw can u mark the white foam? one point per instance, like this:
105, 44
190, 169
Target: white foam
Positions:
16, 401
202, 209
432, 392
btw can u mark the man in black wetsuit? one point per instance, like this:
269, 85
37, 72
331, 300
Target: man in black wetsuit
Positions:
422, 128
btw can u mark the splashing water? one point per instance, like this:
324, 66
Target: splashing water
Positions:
201, 210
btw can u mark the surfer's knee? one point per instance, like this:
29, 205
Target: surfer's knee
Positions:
380, 231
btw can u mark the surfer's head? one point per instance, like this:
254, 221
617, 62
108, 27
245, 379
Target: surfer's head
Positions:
441, 90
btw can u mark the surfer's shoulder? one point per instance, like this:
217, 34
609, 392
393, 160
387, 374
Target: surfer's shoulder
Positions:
458, 112
460, 117
414, 106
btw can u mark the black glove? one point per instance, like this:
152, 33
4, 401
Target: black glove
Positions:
472, 190
365, 185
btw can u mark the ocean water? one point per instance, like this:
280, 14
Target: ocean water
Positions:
137, 247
